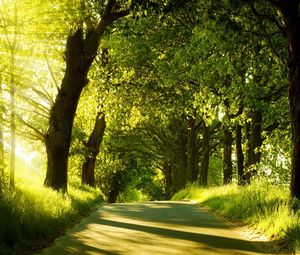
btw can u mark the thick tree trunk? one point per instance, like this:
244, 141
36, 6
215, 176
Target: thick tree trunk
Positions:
192, 155
58, 136
290, 12
239, 155
227, 157
93, 146
80, 53
205, 157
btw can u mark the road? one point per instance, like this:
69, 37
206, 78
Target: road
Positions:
151, 228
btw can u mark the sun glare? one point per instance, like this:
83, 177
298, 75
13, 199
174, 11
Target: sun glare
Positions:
26, 155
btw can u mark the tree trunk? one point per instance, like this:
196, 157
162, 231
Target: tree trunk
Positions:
192, 154
2, 177
255, 138
93, 145
80, 53
204, 157
179, 160
58, 136
227, 157
239, 154
290, 12
254, 144
12, 119
116, 187
167, 170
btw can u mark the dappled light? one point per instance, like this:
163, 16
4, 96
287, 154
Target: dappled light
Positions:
149, 235
126, 124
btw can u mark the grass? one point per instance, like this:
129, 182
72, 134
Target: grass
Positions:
261, 205
33, 212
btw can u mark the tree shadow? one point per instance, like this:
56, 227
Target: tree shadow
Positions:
166, 213
100, 233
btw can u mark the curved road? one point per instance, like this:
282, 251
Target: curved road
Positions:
151, 228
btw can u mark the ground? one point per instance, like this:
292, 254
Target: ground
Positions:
154, 228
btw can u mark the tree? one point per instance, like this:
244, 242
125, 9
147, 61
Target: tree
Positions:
291, 15
81, 49
92, 146
288, 25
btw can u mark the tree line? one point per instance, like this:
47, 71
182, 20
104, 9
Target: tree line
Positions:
175, 92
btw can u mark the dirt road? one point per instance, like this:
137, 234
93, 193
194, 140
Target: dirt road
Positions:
151, 228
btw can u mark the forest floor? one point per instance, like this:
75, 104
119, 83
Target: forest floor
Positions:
154, 228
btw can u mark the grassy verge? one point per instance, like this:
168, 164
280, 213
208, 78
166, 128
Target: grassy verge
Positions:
261, 205
33, 213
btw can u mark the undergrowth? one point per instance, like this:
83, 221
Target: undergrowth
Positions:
33, 212
260, 204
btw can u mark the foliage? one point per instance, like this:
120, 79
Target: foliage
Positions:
261, 205
167, 63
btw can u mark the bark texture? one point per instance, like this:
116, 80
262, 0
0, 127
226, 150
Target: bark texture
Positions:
239, 154
93, 147
192, 152
227, 157
2, 178
290, 12
80, 52
203, 177
175, 167
255, 140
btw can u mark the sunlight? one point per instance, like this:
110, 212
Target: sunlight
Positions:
25, 155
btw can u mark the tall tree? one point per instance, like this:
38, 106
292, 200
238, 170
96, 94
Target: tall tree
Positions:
81, 49
290, 29
291, 15
11, 26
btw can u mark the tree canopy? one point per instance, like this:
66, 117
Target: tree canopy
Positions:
142, 98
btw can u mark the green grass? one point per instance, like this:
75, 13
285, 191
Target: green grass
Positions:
33, 212
261, 205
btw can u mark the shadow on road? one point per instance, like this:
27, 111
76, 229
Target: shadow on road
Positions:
155, 228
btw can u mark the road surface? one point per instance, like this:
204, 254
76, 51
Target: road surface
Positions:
151, 228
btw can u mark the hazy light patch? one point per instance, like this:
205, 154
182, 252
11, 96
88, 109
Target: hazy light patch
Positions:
221, 115
25, 155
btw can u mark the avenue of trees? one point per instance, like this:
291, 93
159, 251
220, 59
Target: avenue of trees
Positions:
142, 98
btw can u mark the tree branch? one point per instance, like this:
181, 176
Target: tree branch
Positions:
39, 134
51, 72
259, 16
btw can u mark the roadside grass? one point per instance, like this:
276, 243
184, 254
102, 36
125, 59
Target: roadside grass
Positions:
261, 205
32, 213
